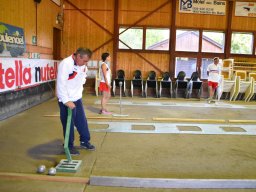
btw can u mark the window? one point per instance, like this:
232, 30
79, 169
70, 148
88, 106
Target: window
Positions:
157, 39
213, 42
241, 43
205, 63
187, 40
132, 37
188, 65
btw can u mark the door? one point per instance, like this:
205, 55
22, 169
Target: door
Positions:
56, 43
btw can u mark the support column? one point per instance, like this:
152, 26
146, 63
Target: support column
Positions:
116, 37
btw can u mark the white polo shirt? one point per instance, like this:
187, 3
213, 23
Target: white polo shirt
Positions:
70, 80
214, 72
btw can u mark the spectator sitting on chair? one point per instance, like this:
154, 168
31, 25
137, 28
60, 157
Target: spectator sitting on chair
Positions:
213, 71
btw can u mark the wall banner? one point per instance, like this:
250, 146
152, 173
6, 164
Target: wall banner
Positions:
211, 7
245, 9
12, 41
21, 73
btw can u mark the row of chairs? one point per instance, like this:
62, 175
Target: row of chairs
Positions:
164, 83
239, 88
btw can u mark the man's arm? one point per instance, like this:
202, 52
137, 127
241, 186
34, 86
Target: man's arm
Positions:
62, 79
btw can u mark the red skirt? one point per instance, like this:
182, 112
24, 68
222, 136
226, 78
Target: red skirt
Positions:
104, 87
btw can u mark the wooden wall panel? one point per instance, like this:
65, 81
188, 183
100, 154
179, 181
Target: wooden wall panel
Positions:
101, 11
47, 13
130, 62
22, 14
131, 11
187, 20
243, 23
79, 30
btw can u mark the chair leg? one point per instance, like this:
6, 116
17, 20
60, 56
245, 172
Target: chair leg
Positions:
124, 88
250, 97
132, 89
114, 88
171, 92
226, 96
142, 89
235, 97
96, 87
160, 90
199, 93
156, 90
146, 89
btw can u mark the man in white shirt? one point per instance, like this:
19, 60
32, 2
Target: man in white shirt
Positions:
213, 71
70, 80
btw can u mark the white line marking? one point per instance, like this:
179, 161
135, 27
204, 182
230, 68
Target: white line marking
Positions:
173, 183
171, 128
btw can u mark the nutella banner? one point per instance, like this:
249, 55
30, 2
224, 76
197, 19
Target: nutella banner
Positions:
21, 73
245, 9
211, 7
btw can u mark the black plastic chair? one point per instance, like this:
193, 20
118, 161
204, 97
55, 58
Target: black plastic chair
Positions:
165, 83
116, 82
195, 76
181, 83
181, 76
194, 85
137, 82
151, 82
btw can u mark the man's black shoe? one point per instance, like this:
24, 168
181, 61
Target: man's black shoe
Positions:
87, 145
73, 151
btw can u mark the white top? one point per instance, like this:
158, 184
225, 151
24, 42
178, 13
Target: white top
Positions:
214, 72
108, 73
70, 80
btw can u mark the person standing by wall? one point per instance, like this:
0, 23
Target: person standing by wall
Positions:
70, 80
213, 72
105, 83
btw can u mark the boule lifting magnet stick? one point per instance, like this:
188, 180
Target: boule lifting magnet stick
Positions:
120, 102
68, 165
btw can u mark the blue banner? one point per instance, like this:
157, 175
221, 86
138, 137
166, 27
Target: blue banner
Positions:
12, 41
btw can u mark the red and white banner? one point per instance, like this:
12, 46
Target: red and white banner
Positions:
19, 73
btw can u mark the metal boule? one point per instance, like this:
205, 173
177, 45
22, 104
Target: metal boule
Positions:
41, 169
52, 171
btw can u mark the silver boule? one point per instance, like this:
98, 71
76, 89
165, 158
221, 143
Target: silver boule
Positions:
52, 171
41, 169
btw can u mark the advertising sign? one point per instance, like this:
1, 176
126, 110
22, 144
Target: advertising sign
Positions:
18, 73
245, 9
12, 40
212, 7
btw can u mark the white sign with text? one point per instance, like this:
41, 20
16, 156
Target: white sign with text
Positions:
245, 9
211, 7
